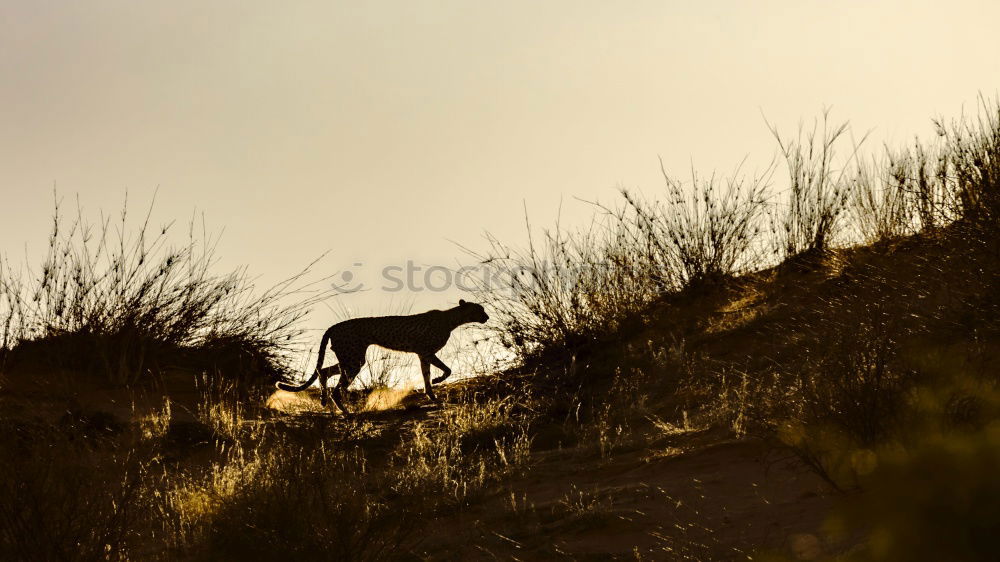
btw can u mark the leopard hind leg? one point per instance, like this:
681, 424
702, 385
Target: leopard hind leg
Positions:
350, 366
324, 375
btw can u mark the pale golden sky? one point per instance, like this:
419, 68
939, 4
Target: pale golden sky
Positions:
382, 130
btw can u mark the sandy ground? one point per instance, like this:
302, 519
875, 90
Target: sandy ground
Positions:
694, 497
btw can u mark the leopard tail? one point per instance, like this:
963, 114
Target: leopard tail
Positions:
319, 364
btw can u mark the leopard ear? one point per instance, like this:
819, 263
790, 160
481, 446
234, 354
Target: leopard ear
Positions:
461, 302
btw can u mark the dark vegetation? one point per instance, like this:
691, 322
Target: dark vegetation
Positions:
843, 322
117, 301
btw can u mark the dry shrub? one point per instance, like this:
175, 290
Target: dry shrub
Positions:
746, 403
920, 176
595, 408
857, 383
122, 301
881, 207
471, 447
563, 293
484, 420
229, 410
928, 186
848, 398
703, 231
972, 148
576, 288
818, 190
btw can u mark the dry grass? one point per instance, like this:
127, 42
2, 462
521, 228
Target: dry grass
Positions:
703, 231
818, 190
267, 490
472, 446
575, 289
64, 500
881, 209
121, 300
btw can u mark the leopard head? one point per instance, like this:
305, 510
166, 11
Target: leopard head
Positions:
473, 311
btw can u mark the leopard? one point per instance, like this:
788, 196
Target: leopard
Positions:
423, 334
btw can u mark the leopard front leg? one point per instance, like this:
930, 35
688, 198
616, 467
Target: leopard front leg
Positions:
445, 370
425, 370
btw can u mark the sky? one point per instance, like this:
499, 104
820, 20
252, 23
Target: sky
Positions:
387, 132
